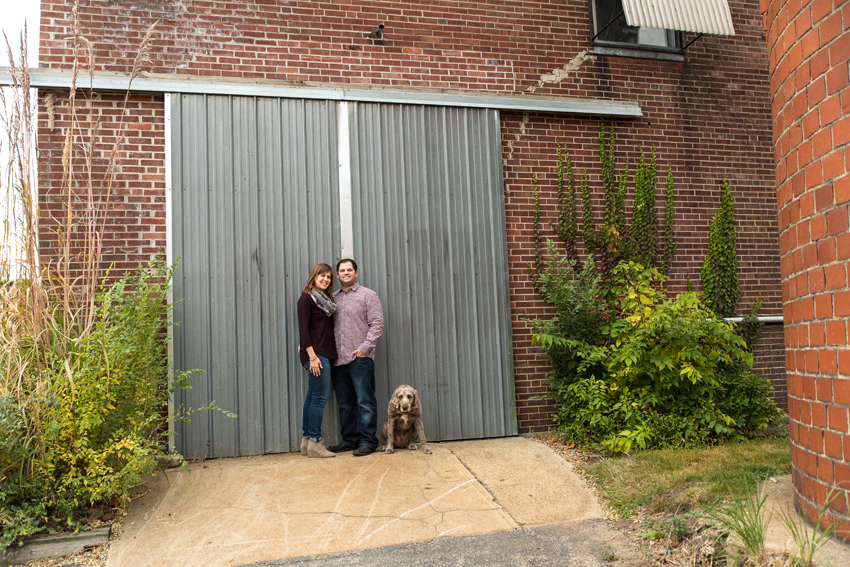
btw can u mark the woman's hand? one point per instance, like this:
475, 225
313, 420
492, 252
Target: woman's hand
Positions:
315, 366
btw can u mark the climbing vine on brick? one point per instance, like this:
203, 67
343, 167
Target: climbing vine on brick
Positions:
535, 270
588, 227
644, 229
720, 267
670, 244
613, 241
612, 244
566, 229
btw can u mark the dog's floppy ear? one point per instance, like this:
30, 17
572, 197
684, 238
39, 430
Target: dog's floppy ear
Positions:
415, 399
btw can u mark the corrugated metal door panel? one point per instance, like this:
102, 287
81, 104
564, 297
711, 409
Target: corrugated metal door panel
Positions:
258, 206
429, 232
298, 220
273, 278
189, 162
443, 218
495, 349
245, 191
219, 267
294, 178
367, 164
420, 307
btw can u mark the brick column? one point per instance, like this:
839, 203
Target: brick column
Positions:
809, 46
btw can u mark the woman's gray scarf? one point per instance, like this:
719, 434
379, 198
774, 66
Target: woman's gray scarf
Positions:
324, 302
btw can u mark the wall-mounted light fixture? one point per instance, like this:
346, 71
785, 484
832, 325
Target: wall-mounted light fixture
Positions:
377, 35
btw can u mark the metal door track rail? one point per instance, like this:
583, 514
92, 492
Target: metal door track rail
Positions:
166, 84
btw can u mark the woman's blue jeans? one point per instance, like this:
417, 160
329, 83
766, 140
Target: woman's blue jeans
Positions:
314, 404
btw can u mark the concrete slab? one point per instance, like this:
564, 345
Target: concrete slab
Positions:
236, 511
272, 509
531, 481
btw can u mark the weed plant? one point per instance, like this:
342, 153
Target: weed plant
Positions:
674, 528
607, 555
810, 539
745, 522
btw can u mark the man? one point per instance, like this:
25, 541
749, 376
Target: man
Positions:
358, 323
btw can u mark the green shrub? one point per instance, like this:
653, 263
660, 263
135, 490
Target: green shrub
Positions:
86, 428
581, 313
101, 425
746, 397
634, 369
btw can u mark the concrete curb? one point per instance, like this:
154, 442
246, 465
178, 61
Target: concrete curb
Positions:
42, 546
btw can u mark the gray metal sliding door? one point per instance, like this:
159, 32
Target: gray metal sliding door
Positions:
429, 237
254, 206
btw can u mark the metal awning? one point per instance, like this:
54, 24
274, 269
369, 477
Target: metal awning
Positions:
700, 16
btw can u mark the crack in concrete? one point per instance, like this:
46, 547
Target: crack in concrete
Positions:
323, 527
427, 504
487, 490
372, 507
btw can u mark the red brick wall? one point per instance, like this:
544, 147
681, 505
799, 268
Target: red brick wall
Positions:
709, 117
809, 47
135, 224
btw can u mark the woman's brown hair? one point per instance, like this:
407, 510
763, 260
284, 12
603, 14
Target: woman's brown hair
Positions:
318, 270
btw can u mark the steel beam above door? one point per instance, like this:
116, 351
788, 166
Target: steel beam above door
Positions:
463, 99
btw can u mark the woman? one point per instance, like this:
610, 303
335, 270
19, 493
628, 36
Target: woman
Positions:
316, 309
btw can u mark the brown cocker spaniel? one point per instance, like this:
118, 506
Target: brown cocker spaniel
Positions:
403, 427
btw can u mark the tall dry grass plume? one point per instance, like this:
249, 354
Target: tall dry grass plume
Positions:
49, 301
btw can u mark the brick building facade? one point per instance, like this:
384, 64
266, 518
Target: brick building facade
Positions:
705, 109
809, 46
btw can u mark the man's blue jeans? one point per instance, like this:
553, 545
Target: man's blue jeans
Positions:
354, 385
314, 404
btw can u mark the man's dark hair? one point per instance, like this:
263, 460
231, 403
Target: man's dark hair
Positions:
343, 261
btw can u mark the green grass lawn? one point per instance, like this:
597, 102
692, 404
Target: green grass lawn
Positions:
662, 481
